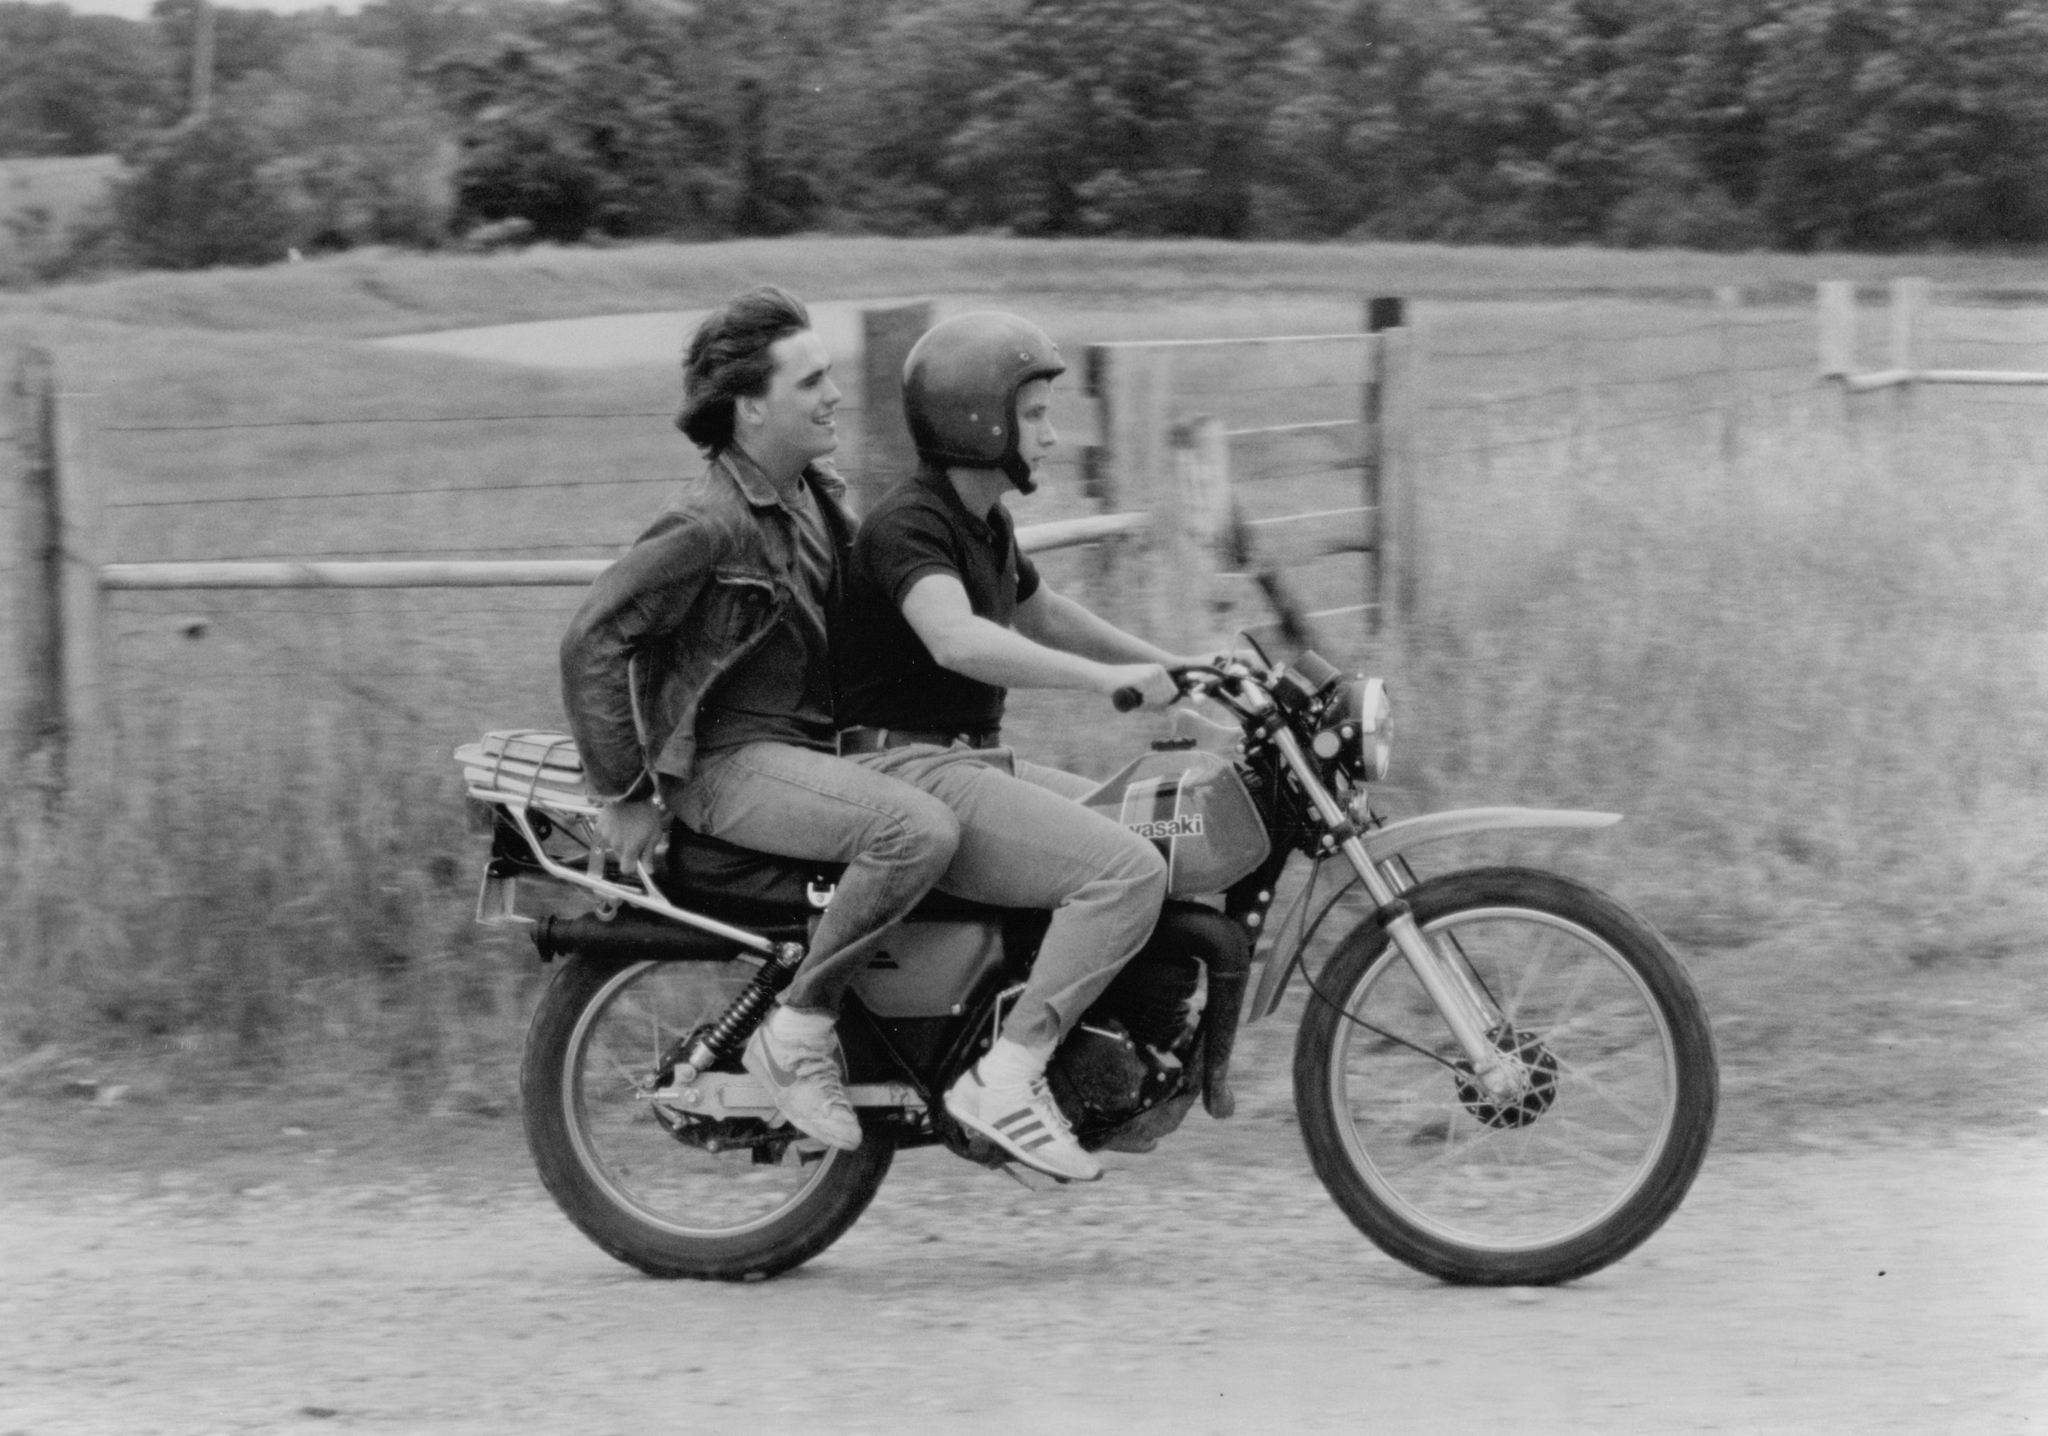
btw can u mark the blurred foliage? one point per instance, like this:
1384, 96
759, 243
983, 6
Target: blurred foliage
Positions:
357, 152
336, 148
198, 197
79, 84
1798, 124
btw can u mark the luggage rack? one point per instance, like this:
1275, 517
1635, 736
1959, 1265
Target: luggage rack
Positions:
517, 770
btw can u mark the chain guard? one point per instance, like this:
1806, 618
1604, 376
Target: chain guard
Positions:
732, 1134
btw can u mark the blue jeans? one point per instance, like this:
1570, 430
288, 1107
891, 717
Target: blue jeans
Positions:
778, 798
1025, 842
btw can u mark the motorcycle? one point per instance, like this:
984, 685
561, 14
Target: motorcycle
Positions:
1503, 1076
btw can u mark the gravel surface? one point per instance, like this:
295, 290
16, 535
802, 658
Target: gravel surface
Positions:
295, 1280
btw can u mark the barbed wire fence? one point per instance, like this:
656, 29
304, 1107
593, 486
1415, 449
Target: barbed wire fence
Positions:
229, 595
1513, 439
1489, 442
1389, 475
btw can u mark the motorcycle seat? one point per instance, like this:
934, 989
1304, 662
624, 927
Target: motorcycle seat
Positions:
708, 875
741, 885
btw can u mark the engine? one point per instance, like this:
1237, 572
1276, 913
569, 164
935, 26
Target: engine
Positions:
1122, 1076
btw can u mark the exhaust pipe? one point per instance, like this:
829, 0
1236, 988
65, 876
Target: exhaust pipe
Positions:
628, 935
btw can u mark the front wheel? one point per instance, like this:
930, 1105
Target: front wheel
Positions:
1603, 1131
663, 1190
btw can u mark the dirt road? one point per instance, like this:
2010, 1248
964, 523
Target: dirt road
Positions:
290, 1286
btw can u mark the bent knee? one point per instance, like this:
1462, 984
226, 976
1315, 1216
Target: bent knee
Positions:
1145, 870
924, 834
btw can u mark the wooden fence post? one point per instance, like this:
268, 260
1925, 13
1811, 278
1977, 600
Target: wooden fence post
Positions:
1578, 379
1728, 303
1837, 307
1136, 388
39, 717
1398, 537
1909, 308
886, 454
79, 526
1908, 316
1383, 315
1836, 304
1201, 452
58, 613
13, 553
1098, 482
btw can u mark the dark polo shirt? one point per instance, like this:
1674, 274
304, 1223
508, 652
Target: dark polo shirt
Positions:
887, 677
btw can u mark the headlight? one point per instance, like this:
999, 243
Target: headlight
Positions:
1375, 729
1359, 730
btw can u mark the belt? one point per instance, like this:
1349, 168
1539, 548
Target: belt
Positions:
874, 740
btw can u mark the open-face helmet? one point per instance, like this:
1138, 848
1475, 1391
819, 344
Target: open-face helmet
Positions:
960, 388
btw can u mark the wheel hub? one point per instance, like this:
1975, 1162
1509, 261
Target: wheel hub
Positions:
1535, 1071
702, 1130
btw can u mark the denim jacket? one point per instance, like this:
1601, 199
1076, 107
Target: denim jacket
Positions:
694, 595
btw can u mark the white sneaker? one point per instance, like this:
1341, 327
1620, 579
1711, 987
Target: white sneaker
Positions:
803, 1078
1025, 1122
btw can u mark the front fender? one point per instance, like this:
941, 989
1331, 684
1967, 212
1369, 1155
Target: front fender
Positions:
1396, 838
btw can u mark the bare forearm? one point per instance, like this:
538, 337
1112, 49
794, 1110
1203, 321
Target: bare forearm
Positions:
1071, 628
990, 653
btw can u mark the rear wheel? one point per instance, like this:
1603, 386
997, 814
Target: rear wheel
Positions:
669, 1192
1609, 1117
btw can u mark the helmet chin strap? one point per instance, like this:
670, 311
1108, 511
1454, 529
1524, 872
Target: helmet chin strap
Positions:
1018, 472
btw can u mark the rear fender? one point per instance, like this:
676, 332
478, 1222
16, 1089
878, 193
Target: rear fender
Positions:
1394, 839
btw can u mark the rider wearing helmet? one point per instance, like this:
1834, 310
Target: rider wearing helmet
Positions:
943, 615
960, 388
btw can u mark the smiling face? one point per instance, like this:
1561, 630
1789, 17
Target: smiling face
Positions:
791, 421
1036, 437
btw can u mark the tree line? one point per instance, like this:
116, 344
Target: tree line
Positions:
1797, 124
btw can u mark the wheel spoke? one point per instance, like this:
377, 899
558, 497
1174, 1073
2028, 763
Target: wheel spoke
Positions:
705, 1181
1609, 1093
1579, 1143
1434, 1151
1619, 1011
626, 1075
1528, 979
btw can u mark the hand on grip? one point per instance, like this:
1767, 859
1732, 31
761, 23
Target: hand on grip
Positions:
1137, 685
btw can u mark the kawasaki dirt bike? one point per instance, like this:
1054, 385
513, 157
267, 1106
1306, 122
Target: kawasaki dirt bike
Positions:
1503, 1076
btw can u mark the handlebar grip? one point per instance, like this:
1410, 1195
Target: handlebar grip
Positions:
1127, 698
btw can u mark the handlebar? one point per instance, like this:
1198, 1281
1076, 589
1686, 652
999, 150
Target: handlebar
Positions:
1128, 699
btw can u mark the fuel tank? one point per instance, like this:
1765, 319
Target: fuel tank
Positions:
1194, 808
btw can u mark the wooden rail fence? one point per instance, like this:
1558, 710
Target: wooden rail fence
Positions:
1908, 316
1181, 556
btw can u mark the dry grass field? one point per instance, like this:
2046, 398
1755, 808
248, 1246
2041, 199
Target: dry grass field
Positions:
1663, 572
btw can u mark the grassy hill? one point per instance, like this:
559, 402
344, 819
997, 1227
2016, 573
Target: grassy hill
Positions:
378, 293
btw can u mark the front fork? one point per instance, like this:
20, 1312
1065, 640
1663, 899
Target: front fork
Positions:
1464, 1008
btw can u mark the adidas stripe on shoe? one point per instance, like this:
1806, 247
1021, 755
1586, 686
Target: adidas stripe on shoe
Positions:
1025, 1122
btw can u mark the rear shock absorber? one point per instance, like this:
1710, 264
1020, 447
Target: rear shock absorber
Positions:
739, 1020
